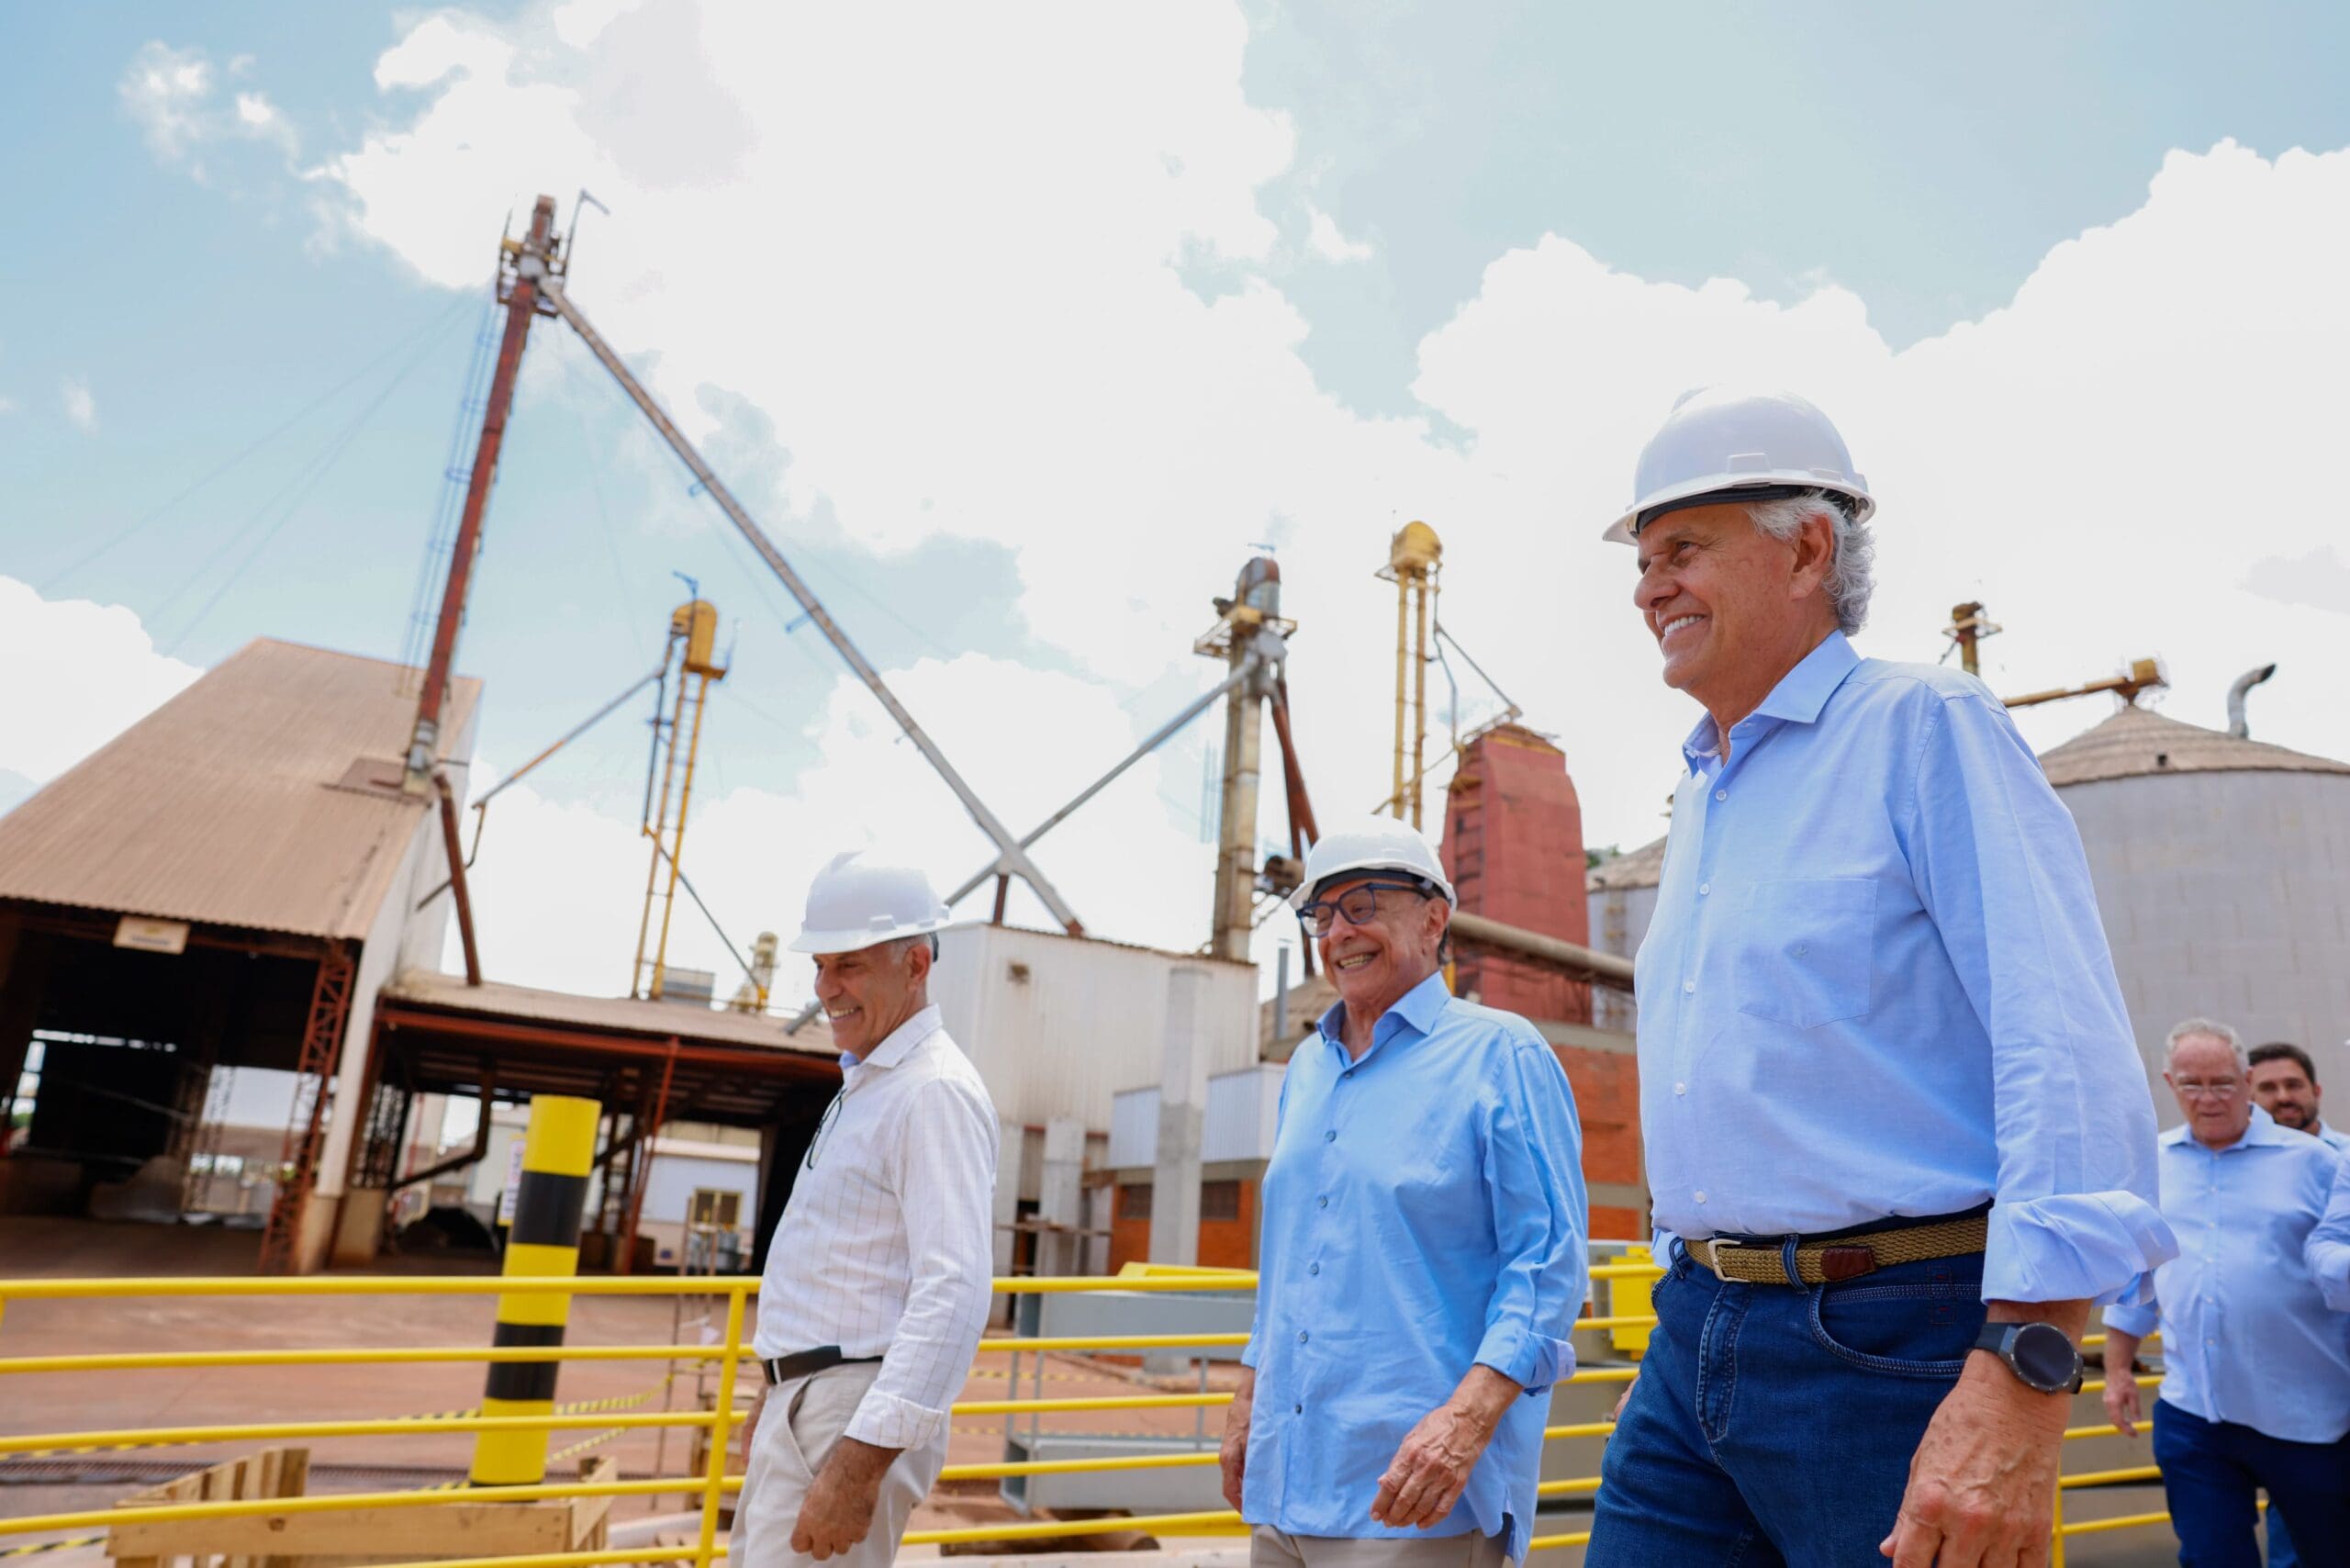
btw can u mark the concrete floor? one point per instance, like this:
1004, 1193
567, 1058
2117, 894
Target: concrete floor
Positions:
94, 1401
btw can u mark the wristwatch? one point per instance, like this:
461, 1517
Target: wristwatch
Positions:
2040, 1355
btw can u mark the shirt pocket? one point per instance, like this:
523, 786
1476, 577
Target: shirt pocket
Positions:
1802, 952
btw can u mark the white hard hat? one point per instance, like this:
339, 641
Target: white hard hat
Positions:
861, 900
1732, 439
1372, 844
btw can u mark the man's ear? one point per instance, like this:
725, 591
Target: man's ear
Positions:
919, 959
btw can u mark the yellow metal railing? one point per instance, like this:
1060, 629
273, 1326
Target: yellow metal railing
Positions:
728, 1357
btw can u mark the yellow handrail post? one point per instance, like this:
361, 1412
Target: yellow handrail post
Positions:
2056, 1525
720, 1428
558, 1152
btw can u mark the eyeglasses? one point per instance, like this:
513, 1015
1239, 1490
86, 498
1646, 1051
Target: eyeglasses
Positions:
2208, 1091
1358, 903
823, 1127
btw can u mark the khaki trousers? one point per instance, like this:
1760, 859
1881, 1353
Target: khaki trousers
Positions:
1270, 1548
802, 1420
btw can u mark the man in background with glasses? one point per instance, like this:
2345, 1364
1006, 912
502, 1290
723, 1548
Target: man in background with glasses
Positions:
2256, 1391
1424, 1246
880, 1275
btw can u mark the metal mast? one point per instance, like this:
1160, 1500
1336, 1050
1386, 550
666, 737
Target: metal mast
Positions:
1414, 556
1250, 635
522, 266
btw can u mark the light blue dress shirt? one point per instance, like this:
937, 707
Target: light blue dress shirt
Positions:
1876, 986
2328, 1250
2334, 1137
2247, 1336
1423, 1212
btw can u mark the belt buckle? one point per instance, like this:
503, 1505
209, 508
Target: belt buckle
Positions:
1720, 1244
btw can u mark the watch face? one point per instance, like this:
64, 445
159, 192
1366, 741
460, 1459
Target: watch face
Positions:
2044, 1356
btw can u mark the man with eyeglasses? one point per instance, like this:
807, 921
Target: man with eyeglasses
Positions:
1423, 1245
880, 1274
1897, 1133
2255, 1392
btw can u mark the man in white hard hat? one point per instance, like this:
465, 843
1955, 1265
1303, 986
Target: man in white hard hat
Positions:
1422, 1259
1897, 1133
878, 1279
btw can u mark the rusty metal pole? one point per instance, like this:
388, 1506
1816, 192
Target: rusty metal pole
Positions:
532, 260
640, 1166
449, 838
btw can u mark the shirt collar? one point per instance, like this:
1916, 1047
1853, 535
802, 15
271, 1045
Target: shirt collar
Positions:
2261, 1132
900, 1040
1798, 698
1418, 1007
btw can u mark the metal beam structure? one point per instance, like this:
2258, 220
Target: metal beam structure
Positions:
532, 260
1012, 855
1251, 636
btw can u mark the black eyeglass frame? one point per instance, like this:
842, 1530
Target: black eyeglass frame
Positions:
1305, 916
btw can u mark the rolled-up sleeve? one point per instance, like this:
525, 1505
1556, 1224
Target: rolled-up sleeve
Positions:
1533, 1173
2136, 1313
2327, 1251
1998, 865
945, 1177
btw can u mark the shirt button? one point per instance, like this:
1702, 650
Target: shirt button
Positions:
1701, 1197
1721, 794
1321, 1203
1681, 1089
1330, 1136
1801, 949
1314, 1268
1297, 1409
1704, 888
1302, 1336
1687, 986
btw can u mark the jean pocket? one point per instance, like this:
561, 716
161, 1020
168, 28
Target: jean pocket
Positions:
1908, 1330
1804, 950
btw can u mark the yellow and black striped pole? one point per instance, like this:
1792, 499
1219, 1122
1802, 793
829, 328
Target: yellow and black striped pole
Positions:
544, 1239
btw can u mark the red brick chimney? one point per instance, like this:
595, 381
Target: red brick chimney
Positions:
1513, 845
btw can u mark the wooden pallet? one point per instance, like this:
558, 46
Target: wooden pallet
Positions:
346, 1538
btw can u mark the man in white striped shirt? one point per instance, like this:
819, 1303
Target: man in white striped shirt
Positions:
878, 1278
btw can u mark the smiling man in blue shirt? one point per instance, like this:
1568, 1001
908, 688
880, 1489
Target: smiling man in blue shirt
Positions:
1424, 1246
1896, 1131
2256, 1389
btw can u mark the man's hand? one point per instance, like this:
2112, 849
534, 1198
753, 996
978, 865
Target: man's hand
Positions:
1234, 1458
2121, 1381
751, 1424
837, 1512
1623, 1399
1983, 1482
1431, 1470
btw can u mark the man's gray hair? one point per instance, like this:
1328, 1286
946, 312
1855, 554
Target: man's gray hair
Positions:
2188, 1028
1851, 575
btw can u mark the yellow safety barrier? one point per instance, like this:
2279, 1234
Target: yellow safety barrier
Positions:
728, 1357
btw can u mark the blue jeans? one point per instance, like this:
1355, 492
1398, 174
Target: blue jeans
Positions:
2210, 1470
1774, 1424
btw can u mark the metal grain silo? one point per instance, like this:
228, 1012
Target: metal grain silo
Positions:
2222, 872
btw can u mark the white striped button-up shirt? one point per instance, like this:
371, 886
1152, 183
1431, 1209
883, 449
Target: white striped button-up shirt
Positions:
886, 1246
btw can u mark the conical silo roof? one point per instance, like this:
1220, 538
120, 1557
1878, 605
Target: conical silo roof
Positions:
2138, 743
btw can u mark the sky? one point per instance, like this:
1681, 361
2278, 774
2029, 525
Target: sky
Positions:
1020, 330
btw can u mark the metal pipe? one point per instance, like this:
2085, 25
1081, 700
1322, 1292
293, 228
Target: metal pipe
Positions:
481, 1141
1157, 738
1419, 698
1586, 963
521, 304
1403, 652
2238, 725
1280, 993
1015, 858
449, 839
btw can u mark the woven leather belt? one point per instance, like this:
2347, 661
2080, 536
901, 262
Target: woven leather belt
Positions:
806, 1363
1762, 1260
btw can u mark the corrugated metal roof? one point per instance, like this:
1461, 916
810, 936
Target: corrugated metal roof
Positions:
240, 801
1637, 869
650, 1020
2139, 743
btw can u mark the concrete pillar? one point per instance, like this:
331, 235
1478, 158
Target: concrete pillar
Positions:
1182, 1111
1060, 1199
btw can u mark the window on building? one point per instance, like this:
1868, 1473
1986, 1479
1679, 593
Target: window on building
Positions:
1134, 1200
715, 1206
1219, 1201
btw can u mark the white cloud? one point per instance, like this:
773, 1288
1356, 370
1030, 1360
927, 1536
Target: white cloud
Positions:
948, 278
80, 408
175, 96
113, 678
1323, 235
